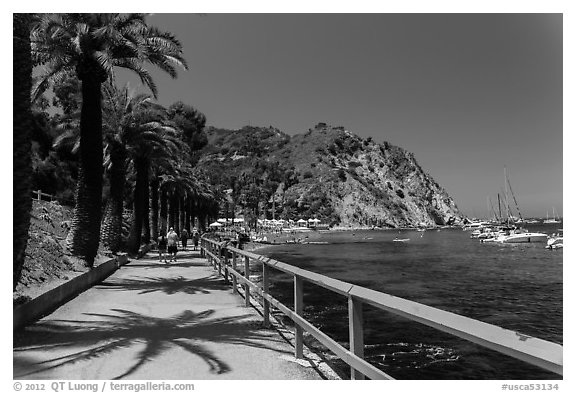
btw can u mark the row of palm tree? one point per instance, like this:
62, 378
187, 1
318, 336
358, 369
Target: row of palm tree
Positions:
135, 132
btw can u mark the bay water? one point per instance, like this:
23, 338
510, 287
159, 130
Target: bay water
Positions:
514, 286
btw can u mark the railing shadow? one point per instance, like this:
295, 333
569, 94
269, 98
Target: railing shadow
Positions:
87, 340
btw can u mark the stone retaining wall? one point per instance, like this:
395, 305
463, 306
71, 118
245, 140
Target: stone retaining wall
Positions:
44, 304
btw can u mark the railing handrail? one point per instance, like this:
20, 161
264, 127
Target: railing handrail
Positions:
535, 351
38, 194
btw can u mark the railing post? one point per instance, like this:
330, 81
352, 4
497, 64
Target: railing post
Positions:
208, 245
39, 193
234, 279
247, 276
265, 284
225, 261
356, 332
298, 309
219, 258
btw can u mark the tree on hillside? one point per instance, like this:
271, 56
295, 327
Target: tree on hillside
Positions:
22, 127
91, 45
191, 122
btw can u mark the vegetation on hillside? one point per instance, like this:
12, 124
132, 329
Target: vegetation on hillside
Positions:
326, 173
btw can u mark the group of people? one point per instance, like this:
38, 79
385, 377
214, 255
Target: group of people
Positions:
168, 244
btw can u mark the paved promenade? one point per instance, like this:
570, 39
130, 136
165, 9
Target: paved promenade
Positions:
152, 321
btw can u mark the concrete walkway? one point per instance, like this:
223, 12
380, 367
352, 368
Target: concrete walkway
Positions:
152, 321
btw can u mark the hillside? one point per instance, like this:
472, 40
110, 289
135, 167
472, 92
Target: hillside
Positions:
328, 173
47, 262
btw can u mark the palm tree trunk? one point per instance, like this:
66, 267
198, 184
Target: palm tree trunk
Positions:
146, 224
22, 73
84, 236
173, 211
111, 235
187, 214
163, 212
141, 167
182, 220
146, 211
154, 185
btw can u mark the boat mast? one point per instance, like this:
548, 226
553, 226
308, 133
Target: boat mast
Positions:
506, 197
499, 209
514, 197
492, 207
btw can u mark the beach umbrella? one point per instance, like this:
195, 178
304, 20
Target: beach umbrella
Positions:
215, 224
301, 221
314, 220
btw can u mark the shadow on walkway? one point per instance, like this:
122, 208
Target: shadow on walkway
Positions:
87, 340
154, 264
167, 285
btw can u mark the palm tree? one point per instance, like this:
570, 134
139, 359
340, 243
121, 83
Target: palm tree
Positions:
157, 141
92, 45
122, 128
22, 73
126, 123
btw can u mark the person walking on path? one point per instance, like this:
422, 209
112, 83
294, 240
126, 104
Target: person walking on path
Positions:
172, 239
162, 244
195, 238
184, 237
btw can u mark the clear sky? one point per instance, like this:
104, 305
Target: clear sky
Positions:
468, 94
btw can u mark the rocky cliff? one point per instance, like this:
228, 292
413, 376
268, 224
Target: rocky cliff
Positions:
328, 173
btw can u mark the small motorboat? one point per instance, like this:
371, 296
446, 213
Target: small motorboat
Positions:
400, 240
555, 241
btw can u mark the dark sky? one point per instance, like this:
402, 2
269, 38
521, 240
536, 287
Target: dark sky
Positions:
468, 94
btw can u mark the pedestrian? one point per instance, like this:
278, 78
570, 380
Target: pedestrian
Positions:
195, 238
162, 244
172, 239
184, 238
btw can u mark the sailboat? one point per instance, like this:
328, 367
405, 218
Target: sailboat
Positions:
552, 220
518, 235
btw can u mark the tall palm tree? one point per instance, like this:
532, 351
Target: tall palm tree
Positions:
124, 125
22, 130
92, 45
127, 121
157, 141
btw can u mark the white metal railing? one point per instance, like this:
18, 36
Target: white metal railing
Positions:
535, 351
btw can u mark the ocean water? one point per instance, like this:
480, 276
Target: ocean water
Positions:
515, 286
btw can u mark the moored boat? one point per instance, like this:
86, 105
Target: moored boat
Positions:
555, 241
523, 237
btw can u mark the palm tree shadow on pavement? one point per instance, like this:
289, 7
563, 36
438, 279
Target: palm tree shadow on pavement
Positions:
168, 285
87, 340
162, 265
